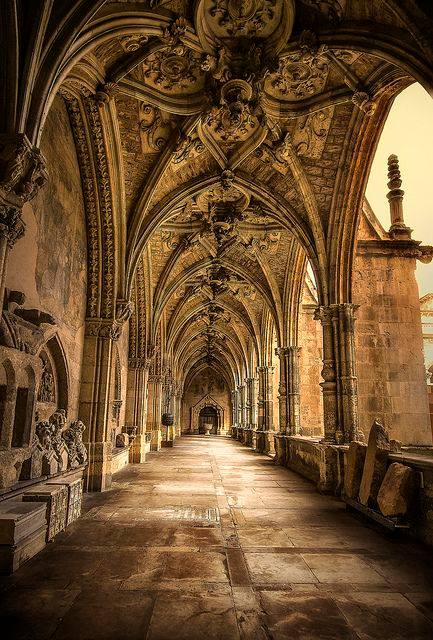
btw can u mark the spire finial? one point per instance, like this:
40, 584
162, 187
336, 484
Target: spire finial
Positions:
395, 195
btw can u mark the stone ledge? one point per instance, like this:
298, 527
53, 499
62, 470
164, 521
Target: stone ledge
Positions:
18, 489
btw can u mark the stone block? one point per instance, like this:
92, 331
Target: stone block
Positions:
375, 464
13, 556
20, 519
75, 497
355, 458
397, 490
56, 499
23, 528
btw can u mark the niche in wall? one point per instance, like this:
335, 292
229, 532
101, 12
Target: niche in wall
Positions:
53, 383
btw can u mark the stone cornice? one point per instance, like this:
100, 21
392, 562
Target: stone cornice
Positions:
399, 248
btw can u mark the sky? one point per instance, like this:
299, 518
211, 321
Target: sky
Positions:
408, 133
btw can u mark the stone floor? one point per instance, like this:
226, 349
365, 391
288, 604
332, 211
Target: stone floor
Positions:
209, 540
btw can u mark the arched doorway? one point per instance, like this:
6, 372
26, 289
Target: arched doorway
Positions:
208, 414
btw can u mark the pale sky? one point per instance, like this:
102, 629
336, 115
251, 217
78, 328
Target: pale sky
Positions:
408, 132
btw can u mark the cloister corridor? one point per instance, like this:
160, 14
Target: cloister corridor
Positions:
211, 540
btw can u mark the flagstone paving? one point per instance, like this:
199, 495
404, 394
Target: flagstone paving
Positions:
210, 540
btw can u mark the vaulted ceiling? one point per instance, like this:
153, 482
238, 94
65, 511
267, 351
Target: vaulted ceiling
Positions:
230, 142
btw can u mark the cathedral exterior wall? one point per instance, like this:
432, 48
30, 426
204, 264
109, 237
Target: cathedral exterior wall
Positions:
389, 349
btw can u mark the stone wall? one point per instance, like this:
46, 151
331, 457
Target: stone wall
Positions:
389, 350
206, 383
49, 263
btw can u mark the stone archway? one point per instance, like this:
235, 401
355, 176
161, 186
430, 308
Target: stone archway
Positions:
209, 415
206, 402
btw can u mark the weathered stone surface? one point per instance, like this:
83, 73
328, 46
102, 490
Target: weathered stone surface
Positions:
353, 469
375, 464
397, 490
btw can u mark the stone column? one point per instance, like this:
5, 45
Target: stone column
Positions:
329, 384
241, 411
288, 397
265, 420
250, 401
94, 406
137, 406
154, 410
22, 174
233, 430
289, 389
177, 401
339, 386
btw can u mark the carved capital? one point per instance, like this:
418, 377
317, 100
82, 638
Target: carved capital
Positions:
102, 328
324, 314
138, 363
105, 92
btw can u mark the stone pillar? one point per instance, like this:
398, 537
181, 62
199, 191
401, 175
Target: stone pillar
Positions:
154, 410
265, 419
241, 411
288, 398
177, 401
94, 406
136, 407
22, 174
398, 229
233, 430
339, 386
250, 407
289, 390
329, 383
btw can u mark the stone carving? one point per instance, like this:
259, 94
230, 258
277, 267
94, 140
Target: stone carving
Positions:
134, 42
218, 66
375, 464
74, 441
363, 101
93, 253
266, 243
46, 387
62, 447
168, 240
220, 221
234, 118
175, 66
105, 205
20, 328
277, 153
303, 73
32, 466
58, 424
310, 135
188, 147
154, 131
243, 17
